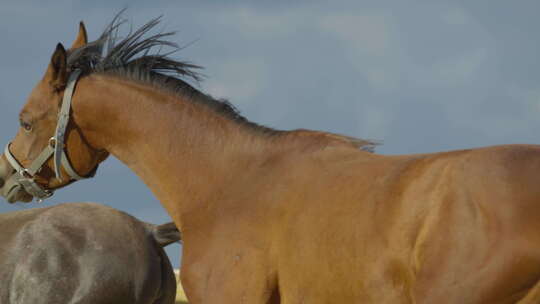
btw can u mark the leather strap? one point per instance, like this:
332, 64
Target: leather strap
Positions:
36, 164
25, 177
63, 120
69, 169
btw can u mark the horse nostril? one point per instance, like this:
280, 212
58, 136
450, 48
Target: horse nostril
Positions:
1, 183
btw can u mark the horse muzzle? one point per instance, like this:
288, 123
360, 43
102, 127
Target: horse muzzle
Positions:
10, 187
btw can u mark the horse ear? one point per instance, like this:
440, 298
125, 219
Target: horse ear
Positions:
57, 71
82, 37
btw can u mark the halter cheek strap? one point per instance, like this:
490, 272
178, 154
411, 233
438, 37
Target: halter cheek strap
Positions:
55, 148
63, 120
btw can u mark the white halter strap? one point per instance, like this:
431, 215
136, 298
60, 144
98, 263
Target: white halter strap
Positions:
60, 157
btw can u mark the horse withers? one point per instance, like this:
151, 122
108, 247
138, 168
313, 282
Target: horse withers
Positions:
84, 253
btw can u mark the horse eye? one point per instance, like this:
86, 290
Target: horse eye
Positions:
26, 126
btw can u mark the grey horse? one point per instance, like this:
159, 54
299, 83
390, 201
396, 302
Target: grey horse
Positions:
84, 253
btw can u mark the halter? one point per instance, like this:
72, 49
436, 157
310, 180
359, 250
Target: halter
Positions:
56, 148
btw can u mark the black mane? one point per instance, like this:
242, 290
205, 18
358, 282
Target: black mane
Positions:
139, 57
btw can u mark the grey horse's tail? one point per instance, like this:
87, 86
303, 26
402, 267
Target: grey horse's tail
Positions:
165, 234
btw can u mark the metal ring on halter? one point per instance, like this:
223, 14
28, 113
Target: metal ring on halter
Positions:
52, 142
25, 173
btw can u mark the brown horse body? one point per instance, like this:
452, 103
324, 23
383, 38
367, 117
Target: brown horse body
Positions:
304, 216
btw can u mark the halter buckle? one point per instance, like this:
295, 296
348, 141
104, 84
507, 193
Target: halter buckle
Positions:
25, 173
52, 142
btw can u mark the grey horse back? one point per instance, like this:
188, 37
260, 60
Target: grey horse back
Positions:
83, 253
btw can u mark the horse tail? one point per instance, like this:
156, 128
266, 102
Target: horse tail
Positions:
168, 279
165, 234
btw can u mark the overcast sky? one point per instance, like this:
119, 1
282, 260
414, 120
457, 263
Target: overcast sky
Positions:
421, 76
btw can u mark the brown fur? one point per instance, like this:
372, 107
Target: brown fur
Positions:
306, 217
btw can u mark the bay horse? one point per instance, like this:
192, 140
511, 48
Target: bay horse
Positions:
84, 253
272, 216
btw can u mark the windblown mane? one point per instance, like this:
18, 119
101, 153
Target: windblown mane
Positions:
134, 57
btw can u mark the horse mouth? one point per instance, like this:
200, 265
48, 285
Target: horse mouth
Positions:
11, 195
16, 193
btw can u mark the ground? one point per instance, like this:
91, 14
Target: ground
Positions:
180, 296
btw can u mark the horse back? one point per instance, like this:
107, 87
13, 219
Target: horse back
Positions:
87, 253
454, 227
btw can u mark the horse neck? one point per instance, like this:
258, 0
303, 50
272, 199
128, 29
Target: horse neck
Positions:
185, 152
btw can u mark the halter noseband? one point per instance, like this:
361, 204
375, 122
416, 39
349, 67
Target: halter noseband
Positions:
56, 148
